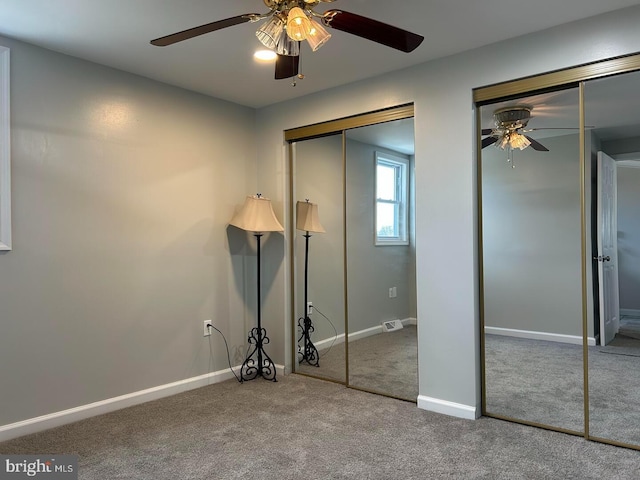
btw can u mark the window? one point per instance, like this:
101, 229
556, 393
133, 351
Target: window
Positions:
5, 171
391, 211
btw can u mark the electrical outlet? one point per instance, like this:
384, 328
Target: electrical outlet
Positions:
207, 328
309, 308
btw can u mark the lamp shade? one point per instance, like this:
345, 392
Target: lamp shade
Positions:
256, 215
307, 217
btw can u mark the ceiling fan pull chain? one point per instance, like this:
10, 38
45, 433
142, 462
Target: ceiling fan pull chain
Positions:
510, 156
299, 75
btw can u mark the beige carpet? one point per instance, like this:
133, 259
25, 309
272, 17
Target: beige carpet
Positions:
305, 428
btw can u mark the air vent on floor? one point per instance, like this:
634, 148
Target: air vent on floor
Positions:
391, 325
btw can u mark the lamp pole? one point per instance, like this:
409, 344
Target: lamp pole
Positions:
310, 352
264, 366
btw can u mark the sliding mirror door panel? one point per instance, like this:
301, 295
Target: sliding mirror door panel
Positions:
612, 108
381, 259
531, 260
319, 258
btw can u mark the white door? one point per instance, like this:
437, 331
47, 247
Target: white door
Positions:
608, 248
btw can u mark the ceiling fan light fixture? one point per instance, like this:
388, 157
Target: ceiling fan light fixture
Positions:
270, 32
298, 25
317, 36
513, 140
286, 46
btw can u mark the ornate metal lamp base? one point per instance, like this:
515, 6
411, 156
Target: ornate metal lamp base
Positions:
309, 352
258, 363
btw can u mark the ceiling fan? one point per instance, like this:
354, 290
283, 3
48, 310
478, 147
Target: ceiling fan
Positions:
509, 131
292, 21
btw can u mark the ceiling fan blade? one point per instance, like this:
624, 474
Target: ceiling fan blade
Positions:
487, 131
201, 30
537, 145
553, 128
287, 66
489, 141
373, 30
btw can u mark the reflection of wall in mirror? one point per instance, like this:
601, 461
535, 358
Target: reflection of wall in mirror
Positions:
318, 177
629, 237
531, 239
373, 269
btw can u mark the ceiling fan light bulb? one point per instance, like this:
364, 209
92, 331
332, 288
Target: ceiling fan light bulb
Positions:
519, 141
317, 36
298, 25
270, 32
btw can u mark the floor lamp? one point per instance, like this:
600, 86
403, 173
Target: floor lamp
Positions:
307, 220
257, 216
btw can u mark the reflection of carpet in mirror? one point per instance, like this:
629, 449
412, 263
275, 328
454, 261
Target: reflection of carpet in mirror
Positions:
630, 326
541, 382
535, 380
614, 390
386, 363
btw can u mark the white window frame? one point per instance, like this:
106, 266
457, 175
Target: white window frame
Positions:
403, 199
5, 153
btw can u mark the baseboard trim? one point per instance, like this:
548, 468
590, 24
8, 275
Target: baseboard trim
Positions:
329, 342
550, 337
56, 419
367, 332
447, 408
630, 312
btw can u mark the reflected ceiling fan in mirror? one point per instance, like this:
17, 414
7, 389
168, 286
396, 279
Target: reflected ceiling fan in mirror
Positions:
510, 131
288, 22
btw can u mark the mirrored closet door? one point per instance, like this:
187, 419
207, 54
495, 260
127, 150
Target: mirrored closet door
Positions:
353, 255
383, 345
531, 259
612, 107
319, 258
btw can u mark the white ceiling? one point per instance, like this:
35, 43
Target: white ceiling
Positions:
117, 33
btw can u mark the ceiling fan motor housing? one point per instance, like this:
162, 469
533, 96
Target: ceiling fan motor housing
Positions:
512, 117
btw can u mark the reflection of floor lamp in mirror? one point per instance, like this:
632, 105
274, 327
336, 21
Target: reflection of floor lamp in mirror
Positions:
307, 220
257, 216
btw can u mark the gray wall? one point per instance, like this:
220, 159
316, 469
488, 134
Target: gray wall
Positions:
531, 238
122, 190
629, 236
